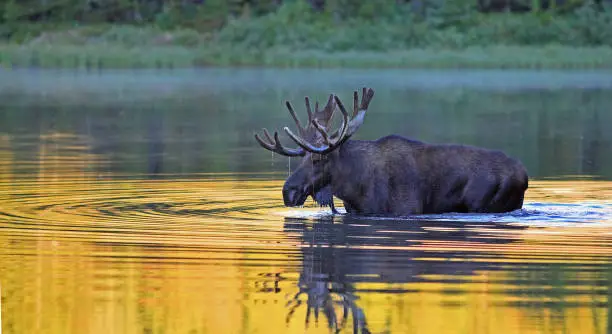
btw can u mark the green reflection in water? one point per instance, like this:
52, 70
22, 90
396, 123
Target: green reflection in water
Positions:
203, 121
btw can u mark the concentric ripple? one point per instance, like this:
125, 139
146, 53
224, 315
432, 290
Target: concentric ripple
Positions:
199, 246
157, 208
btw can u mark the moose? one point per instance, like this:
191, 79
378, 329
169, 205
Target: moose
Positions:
393, 175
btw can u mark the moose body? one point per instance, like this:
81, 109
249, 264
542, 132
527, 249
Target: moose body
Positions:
395, 176
398, 176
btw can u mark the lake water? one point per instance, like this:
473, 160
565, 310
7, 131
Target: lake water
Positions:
138, 202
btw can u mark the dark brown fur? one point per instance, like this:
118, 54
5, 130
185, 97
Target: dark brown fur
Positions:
397, 176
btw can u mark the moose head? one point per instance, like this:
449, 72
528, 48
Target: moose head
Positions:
318, 147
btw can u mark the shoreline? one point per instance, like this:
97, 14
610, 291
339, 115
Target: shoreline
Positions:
116, 56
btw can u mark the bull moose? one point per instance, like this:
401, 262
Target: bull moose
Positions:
393, 176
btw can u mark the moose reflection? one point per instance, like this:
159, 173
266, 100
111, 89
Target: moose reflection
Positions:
340, 253
393, 176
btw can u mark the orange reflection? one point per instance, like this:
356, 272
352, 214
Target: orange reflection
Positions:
83, 252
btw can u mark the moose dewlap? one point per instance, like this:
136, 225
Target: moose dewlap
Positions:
392, 176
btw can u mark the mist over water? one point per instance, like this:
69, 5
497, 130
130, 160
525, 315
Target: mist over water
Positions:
138, 201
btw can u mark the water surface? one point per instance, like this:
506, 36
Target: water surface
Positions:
139, 202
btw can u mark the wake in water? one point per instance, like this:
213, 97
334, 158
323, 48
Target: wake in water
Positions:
548, 214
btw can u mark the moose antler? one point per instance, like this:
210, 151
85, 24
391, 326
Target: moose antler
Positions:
323, 116
320, 116
348, 128
276, 146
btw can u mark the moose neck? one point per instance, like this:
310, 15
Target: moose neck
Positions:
350, 168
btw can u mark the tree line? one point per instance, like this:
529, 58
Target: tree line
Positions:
185, 12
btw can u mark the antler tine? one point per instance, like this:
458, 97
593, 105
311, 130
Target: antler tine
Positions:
322, 131
301, 129
365, 100
366, 97
330, 145
286, 151
356, 102
345, 122
308, 110
347, 129
301, 142
264, 144
328, 111
275, 145
267, 134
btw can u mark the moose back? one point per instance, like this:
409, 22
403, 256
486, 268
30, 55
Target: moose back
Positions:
392, 176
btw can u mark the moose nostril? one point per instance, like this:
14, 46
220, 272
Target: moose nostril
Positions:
290, 196
292, 193
289, 193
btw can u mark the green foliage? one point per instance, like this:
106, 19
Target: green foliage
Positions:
458, 14
592, 24
209, 16
232, 32
270, 30
455, 24
92, 56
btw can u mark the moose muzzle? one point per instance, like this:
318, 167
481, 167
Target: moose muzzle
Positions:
295, 196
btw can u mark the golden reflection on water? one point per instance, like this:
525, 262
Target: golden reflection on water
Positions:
90, 252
